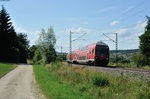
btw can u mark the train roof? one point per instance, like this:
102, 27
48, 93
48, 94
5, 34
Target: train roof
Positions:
90, 46
101, 43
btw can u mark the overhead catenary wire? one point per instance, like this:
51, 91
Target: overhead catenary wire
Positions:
79, 37
126, 12
136, 12
143, 2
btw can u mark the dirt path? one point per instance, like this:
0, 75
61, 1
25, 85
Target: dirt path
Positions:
20, 84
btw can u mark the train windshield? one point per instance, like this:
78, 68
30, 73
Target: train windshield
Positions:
102, 50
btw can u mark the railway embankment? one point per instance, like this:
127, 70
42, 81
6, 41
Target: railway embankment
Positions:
131, 73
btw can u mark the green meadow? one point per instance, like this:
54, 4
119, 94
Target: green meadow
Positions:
59, 81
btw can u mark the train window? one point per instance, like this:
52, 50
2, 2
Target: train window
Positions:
90, 51
102, 50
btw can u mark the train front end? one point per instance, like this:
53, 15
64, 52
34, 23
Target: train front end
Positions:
101, 54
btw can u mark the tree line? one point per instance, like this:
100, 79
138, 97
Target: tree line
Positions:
13, 46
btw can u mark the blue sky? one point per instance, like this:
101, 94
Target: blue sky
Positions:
93, 17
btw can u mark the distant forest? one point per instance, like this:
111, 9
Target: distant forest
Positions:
125, 51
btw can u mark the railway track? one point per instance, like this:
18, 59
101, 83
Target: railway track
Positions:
132, 73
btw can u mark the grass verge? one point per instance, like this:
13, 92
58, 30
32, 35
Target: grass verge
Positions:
54, 88
5, 68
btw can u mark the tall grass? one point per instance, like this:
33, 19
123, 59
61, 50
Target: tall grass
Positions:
54, 88
99, 85
5, 68
100, 80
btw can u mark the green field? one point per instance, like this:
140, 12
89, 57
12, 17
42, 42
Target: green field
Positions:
59, 81
54, 88
5, 68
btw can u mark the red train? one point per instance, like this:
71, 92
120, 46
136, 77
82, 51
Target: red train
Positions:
95, 54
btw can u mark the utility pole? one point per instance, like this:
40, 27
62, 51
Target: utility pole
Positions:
61, 54
116, 49
71, 44
61, 50
116, 42
70, 49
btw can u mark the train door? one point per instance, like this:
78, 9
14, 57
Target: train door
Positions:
87, 55
90, 55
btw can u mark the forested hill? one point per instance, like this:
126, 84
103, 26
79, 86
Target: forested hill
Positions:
125, 51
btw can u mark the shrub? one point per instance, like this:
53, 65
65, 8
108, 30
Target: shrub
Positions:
37, 57
100, 80
120, 59
140, 59
143, 93
55, 66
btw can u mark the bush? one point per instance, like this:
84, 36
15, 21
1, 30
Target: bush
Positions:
54, 66
143, 93
37, 57
100, 80
140, 59
120, 59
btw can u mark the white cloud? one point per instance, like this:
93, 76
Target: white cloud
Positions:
114, 23
128, 37
129, 42
19, 29
86, 23
122, 31
129, 8
140, 25
79, 30
105, 9
37, 32
32, 35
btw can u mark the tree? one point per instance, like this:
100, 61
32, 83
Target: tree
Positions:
46, 43
120, 59
23, 45
145, 41
37, 58
8, 39
140, 59
31, 51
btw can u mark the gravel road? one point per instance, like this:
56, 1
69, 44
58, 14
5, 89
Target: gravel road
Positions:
20, 84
